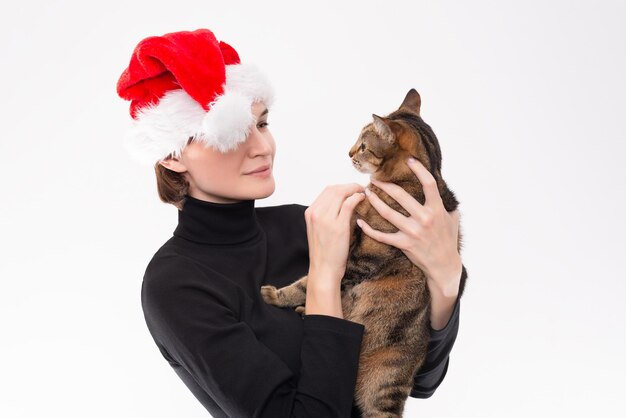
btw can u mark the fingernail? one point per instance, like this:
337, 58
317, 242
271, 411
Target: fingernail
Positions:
359, 223
411, 160
367, 191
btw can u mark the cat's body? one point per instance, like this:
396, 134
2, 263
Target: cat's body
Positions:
382, 289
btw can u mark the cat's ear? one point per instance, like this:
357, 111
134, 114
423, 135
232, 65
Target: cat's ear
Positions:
382, 128
412, 102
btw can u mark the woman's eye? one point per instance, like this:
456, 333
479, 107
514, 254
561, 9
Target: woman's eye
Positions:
263, 124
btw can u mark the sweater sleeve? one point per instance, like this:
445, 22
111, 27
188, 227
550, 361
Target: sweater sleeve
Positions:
200, 329
432, 372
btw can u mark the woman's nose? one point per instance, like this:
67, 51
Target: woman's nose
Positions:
259, 142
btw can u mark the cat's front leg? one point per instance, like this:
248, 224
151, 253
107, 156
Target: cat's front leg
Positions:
289, 296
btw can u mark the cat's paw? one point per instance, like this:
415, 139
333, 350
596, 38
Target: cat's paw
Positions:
301, 310
270, 294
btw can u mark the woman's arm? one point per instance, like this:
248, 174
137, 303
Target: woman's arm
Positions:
328, 236
444, 290
201, 331
434, 369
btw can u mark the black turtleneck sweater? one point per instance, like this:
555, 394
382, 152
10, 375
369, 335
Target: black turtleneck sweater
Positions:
238, 355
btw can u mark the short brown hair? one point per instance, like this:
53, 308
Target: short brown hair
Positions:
171, 185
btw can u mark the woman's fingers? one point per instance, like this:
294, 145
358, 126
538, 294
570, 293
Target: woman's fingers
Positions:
429, 184
408, 202
332, 198
396, 218
390, 238
328, 231
349, 204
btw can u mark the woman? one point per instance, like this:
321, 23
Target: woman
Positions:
201, 117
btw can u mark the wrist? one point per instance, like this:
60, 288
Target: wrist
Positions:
322, 291
446, 282
323, 295
444, 292
324, 277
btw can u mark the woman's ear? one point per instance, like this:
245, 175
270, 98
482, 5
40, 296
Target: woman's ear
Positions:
173, 164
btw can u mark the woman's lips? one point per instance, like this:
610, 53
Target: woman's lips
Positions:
262, 173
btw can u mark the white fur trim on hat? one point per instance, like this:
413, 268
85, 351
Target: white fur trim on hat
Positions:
228, 122
249, 80
163, 129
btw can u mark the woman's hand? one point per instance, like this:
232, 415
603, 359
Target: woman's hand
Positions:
328, 230
428, 237
328, 233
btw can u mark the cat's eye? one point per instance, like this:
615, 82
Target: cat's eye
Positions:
362, 146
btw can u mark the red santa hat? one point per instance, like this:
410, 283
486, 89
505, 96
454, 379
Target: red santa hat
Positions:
187, 84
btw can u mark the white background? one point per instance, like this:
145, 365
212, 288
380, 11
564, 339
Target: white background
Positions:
526, 98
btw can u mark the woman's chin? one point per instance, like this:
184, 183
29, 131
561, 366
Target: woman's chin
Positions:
263, 189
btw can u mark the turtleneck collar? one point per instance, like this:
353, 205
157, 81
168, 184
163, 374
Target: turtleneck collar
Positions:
217, 223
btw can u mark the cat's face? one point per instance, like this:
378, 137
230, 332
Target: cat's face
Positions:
384, 144
376, 141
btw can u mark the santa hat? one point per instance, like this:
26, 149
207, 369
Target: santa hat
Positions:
187, 84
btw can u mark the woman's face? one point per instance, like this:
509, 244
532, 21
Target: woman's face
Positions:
225, 177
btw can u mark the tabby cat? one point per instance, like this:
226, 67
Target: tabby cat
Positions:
382, 289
